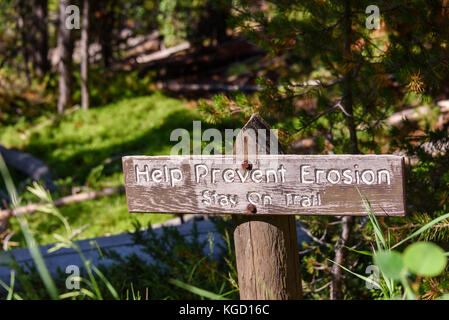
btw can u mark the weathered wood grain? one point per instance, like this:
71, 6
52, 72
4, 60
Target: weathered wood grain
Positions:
79, 197
266, 246
276, 184
267, 257
265, 234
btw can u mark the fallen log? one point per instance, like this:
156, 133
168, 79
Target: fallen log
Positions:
141, 45
416, 114
191, 63
304, 146
29, 165
174, 86
413, 114
90, 195
162, 54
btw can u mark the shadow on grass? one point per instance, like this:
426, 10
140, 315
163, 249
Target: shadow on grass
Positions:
84, 140
109, 214
154, 141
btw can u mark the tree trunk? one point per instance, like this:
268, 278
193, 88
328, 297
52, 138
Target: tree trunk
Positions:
107, 23
65, 59
40, 52
85, 56
336, 271
23, 18
217, 17
347, 92
28, 165
336, 292
266, 246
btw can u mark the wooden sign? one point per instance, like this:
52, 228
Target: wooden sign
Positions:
273, 184
263, 193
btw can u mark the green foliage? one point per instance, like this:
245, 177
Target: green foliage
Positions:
329, 73
174, 254
420, 258
223, 110
104, 216
81, 143
177, 18
197, 291
108, 87
425, 259
92, 179
29, 238
193, 20
200, 268
418, 54
22, 101
391, 264
180, 258
320, 62
318, 65
427, 180
65, 240
141, 15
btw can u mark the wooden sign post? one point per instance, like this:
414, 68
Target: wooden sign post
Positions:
266, 246
263, 192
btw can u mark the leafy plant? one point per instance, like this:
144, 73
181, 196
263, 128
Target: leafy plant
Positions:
202, 268
420, 259
91, 289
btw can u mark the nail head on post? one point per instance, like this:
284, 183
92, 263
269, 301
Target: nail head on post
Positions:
251, 208
246, 165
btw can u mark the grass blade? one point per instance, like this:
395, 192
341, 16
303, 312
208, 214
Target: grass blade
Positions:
422, 229
374, 283
365, 253
73, 294
106, 282
11, 286
9, 289
31, 242
197, 291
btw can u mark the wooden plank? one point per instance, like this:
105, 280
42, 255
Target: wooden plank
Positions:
266, 246
266, 249
79, 197
276, 184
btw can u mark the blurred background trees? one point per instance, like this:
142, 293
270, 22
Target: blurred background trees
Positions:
340, 80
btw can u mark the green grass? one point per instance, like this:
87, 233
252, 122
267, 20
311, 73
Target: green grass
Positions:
104, 216
80, 141
85, 148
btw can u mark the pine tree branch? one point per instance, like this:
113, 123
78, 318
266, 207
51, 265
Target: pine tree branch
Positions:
316, 118
317, 84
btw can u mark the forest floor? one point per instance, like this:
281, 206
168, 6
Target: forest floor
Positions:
84, 148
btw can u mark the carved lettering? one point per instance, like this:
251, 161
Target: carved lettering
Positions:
290, 185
